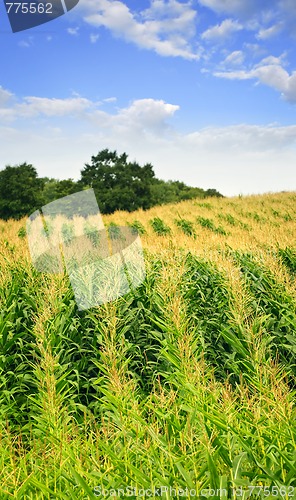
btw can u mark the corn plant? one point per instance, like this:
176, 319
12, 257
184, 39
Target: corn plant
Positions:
137, 227
209, 224
159, 226
67, 232
187, 381
22, 233
92, 233
114, 231
288, 257
186, 226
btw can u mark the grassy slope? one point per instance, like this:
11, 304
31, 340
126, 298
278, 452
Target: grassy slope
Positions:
188, 382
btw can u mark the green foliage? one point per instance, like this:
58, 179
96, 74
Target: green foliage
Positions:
92, 233
229, 218
213, 192
48, 227
22, 233
278, 307
255, 216
54, 189
220, 230
186, 226
118, 184
209, 224
204, 222
136, 393
286, 217
288, 257
17, 347
173, 191
20, 191
67, 233
205, 205
138, 227
114, 231
159, 226
233, 221
209, 306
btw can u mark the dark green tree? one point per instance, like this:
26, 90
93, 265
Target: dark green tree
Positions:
20, 191
55, 189
213, 192
173, 191
118, 183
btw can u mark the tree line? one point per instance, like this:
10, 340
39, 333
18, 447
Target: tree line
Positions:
118, 185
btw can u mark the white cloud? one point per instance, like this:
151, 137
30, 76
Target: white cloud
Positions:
254, 49
269, 72
5, 96
236, 58
54, 107
265, 33
73, 31
145, 115
233, 159
110, 99
94, 37
272, 60
226, 6
221, 31
278, 78
148, 113
37, 106
257, 138
167, 27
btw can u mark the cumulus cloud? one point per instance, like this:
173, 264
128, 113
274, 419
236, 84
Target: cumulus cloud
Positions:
167, 27
142, 114
5, 96
272, 60
221, 31
11, 109
146, 114
269, 72
233, 159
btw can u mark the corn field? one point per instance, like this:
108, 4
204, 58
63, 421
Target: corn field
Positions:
184, 387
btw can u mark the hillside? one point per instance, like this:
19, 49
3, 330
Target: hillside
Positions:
183, 387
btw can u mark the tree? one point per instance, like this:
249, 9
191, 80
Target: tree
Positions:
118, 184
213, 192
20, 191
173, 191
55, 189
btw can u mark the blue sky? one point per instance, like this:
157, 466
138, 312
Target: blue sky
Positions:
205, 90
